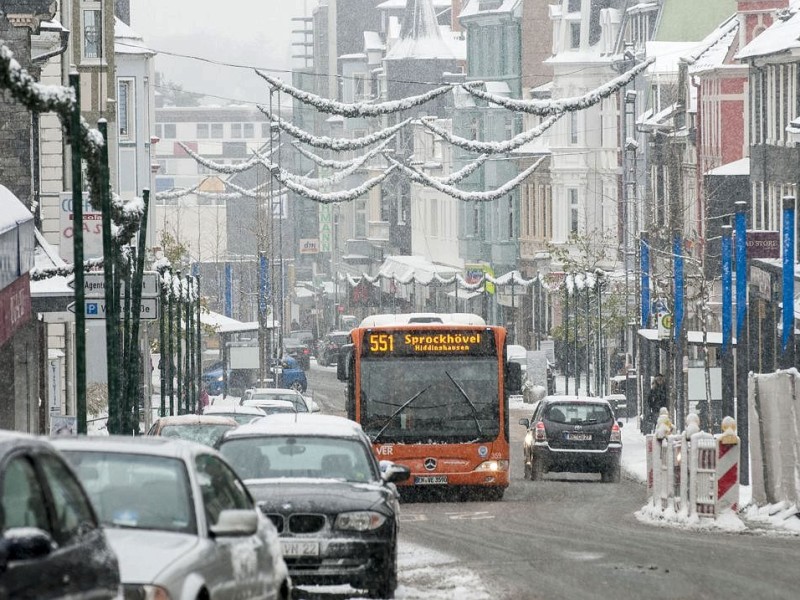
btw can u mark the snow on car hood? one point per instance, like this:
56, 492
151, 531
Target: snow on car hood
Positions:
161, 549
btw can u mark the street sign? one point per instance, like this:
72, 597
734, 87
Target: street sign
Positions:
94, 285
95, 308
664, 320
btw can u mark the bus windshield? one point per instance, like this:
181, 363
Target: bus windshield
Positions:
421, 400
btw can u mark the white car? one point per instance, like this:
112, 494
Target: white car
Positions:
237, 412
179, 519
253, 396
271, 407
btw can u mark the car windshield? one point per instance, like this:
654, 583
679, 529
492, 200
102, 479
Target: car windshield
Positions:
137, 491
208, 434
266, 457
441, 400
576, 413
339, 339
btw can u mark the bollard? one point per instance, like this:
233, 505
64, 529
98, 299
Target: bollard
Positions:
650, 445
702, 474
727, 471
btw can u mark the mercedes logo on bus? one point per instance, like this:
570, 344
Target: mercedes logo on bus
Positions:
430, 464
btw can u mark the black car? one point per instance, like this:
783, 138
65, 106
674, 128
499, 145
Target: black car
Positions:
328, 347
572, 434
52, 545
336, 510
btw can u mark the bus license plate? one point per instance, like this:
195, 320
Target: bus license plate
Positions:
300, 548
430, 480
579, 437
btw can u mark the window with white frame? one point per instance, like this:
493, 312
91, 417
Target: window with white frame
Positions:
573, 127
575, 35
217, 130
265, 130
360, 87
360, 218
572, 195
574, 6
170, 131
125, 109
511, 218
236, 130
434, 222
92, 31
476, 219
248, 131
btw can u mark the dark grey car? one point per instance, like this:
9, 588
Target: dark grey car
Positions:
572, 434
336, 510
52, 545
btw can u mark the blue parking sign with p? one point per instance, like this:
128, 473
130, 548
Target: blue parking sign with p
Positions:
92, 308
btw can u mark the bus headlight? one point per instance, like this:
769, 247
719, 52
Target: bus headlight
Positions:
493, 466
359, 521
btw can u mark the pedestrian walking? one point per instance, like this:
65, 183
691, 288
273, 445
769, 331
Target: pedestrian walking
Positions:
656, 399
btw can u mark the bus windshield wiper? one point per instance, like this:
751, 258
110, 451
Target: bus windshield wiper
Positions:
399, 410
469, 401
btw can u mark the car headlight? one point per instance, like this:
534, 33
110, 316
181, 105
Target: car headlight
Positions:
134, 591
493, 466
359, 521
220, 378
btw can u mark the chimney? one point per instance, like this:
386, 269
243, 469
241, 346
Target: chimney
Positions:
454, 12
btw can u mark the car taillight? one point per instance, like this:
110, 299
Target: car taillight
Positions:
305, 350
616, 434
540, 434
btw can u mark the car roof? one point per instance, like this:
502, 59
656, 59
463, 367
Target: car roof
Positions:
299, 424
575, 399
231, 408
196, 420
273, 391
338, 333
12, 439
152, 445
264, 402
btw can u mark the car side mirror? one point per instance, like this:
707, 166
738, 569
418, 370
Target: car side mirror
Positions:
525, 422
235, 522
619, 423
392, 472
25, 543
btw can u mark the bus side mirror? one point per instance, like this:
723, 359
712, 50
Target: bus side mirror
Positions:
343, 364
514, 378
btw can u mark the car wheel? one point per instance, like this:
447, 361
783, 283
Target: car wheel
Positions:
494, 494
611, 475
385, 587
537, 470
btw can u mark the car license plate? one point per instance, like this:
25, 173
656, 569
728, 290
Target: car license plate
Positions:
430, 480
578, 437
300, 548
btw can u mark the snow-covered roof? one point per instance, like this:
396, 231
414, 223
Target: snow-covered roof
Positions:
14, 211
473, 7
127, 41
372, 41
299, 424
45, 256
403, 267
781, 36
222, 324
401, 4
737, 167
667, 55
420, 36
389, 319
714, 338
715, 47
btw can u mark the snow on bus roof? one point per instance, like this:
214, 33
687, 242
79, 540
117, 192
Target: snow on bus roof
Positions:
422, 318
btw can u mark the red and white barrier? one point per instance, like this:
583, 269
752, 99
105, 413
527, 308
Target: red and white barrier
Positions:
728, 455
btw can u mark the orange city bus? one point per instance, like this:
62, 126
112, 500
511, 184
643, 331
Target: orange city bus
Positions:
430, 391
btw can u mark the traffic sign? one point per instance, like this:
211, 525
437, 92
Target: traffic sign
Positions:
94, 285
95, 308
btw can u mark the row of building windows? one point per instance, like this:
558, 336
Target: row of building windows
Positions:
203, 131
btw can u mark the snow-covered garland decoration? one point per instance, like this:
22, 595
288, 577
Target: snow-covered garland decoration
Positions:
336, 144
330, 197
38, 274
220, 167
254, 192
463, 173
552, 107
176, 193
483, 196
359, 109
318, 183
324, 162
126, 216
494, 147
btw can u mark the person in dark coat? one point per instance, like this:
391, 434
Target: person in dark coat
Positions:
656, 398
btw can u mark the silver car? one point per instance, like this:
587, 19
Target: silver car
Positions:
180, 520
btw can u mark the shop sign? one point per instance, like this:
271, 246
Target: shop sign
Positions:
15, 307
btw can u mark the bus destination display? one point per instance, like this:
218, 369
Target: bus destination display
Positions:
443, 342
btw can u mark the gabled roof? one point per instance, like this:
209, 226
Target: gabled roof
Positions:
782, 36
420, 36
715, 48
473, 7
